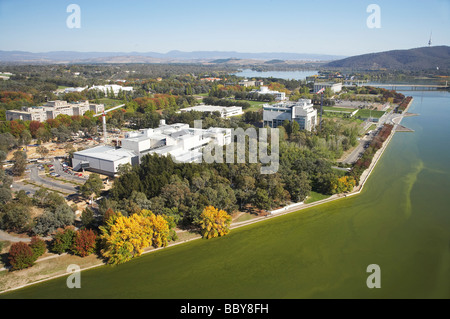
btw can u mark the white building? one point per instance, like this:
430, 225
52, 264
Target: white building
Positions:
75, 90
301, 111
335, 87
279, 96
183, 143
114, 87
52, 109
224, 111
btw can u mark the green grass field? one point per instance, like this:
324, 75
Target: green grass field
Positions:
367, 113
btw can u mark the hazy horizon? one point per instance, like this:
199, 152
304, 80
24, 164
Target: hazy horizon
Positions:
264, 26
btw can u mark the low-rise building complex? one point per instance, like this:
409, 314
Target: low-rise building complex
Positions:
182, 143
52, 109
225, 111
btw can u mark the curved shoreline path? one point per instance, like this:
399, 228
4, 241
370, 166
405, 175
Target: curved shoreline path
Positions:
279, 212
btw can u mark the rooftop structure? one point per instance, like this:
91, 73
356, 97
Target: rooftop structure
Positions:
114, 87
279, 96
301, 111
225, 112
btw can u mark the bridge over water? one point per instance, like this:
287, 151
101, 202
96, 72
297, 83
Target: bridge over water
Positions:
410, 87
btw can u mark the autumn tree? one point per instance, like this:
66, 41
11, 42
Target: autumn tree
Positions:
124, 238
84, 242
20, 256
214, 222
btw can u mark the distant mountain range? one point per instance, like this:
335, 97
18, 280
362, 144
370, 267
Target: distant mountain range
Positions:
425, 58
154, 57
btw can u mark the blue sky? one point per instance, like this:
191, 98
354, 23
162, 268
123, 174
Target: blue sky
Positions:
325, 26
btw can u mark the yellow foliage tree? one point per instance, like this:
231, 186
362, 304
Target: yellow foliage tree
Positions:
124, 238
214, 222
160, 228
344, 184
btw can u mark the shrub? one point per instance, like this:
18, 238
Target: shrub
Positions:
21, 256
63, 240
38, 247
84, 242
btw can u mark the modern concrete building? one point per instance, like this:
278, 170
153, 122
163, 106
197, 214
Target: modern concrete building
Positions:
335, 87
183, 143
224, 111
52, 109
301, 111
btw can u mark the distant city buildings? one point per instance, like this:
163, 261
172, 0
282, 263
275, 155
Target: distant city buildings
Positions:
225, 112
335, 87
183, 143
301, 112
52, 109
279, 96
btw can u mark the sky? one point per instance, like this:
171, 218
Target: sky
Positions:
297, 26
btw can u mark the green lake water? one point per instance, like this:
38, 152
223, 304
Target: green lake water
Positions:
401, 222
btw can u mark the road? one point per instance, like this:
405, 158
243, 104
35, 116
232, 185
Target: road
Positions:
59, 186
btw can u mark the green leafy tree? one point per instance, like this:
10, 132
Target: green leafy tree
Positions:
63, 240
38, 246
93, 185
20, 163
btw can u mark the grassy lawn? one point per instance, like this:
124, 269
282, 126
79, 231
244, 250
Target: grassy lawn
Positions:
110, 102
367, 113
314, 197
338, 109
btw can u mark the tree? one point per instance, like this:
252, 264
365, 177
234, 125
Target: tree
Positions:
20, 256
15, 217
63, 240
51, 220
25, 137
298, 186
20, 163
84, 242
124, 238
261, 199
42, 150
87, 218
93, 185
38, 247
214, 222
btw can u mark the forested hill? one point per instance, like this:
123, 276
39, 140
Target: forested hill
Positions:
425, 58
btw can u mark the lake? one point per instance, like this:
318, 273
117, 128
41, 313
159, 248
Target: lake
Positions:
287, 75
400, 222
